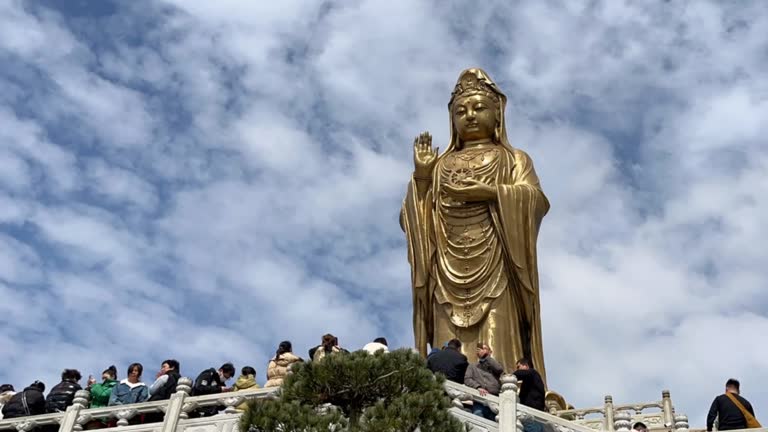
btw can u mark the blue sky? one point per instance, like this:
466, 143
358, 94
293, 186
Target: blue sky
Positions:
201, 180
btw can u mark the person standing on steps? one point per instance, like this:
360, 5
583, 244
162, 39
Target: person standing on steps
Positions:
449, 362
485, 377
732, 410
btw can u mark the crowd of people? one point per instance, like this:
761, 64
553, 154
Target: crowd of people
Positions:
485, 377
110, 391
730, 410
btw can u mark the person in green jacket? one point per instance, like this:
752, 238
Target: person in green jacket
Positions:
100, 392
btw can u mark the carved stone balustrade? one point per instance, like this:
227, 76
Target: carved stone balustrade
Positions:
657, 415
176, 413
511, 415
622, 421
681, 423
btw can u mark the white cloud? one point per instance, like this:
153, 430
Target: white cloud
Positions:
232, 178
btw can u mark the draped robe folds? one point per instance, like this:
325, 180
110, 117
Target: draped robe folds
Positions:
473, 265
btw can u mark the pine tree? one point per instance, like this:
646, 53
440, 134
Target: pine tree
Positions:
356, 392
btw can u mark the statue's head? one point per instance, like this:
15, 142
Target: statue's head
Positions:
476, 108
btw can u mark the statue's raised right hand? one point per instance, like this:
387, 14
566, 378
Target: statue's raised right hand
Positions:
424, 156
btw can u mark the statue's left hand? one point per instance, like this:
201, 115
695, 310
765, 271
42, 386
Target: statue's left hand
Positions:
476, 191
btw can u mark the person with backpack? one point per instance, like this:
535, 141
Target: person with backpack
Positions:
28, 402
732, 410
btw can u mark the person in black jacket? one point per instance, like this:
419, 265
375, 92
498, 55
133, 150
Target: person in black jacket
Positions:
532, 387
532, 392
449, 362
211, 381
167, 379
729, 415
163, 387
28, 402
62, 394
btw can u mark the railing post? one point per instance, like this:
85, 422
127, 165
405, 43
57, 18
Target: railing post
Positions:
175, 408
83, 401
71, 420
681, 423
508, 399
667, 410
623, 422
185, 386
608, 421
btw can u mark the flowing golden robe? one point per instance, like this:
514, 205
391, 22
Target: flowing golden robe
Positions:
473, 265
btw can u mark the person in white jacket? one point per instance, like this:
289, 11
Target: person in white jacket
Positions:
378, 344
6, 393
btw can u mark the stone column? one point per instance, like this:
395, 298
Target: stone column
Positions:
623, 422
608, 421
185, 386
83, 401
72, 420
175, 410
681, 423
666, 409
508, 400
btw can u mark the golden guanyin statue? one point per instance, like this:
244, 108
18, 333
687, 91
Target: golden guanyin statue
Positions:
471, 216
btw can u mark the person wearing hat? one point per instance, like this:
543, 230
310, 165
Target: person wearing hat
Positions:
28, 402
6, 393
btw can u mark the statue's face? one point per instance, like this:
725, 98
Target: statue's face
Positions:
475, 117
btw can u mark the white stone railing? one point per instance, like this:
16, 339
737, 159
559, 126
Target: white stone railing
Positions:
663, 419
176, 412
511, 414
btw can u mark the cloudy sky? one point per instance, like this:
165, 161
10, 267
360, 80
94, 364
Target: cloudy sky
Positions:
200, 180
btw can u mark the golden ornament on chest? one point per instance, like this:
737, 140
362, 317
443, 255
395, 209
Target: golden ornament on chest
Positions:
470, 165
458, 177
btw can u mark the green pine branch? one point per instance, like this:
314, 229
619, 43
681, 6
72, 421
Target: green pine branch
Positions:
372, 393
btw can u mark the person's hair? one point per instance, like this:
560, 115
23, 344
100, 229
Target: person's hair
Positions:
228, 368
136, 365
6, 387
733, 382
38, 385
111, 371
248, 370
639, 425
284, 347
329, 341
525, 361
381, 340
173, 364
455, 344
71, 375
